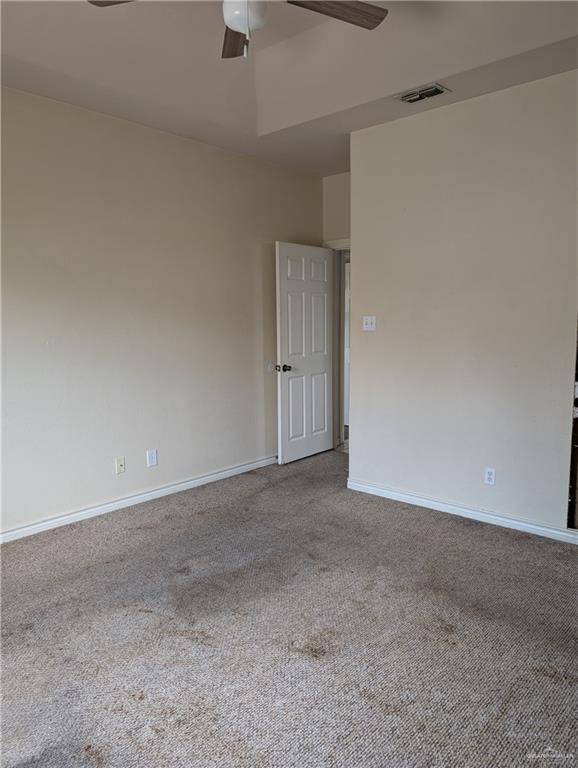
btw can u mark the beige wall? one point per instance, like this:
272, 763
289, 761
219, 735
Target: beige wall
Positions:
336, 207
464, 246
138, 305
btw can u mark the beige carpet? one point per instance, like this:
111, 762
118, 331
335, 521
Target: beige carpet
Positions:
279, 620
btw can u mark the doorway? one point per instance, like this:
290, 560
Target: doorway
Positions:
345, 348
305, 342
313, 343
573, 486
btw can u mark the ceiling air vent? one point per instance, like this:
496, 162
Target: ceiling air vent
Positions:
419, 94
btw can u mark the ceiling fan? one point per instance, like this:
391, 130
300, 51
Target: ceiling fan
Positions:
243, 17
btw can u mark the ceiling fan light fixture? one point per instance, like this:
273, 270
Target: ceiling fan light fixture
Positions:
245, 16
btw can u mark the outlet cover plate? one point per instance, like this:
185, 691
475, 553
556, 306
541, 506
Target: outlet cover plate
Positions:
369, 323
490, 476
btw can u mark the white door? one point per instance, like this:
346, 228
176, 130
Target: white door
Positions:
304, 350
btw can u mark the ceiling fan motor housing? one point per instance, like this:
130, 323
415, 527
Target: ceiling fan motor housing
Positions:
245, 16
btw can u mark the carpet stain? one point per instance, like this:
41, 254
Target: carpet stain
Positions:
223, 590
316, 646
195, 636
557, 675
94, 755
441, 631
139, 696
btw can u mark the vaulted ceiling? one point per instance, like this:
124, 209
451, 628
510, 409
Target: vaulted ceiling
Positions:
308, 81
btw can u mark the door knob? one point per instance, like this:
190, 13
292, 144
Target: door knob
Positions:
286, 368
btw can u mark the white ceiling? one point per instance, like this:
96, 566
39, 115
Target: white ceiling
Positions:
308, 82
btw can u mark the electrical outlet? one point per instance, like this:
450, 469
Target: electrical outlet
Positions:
369, 323
152, 459
490, 476
119, 465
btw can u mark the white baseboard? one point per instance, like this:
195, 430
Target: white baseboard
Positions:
130, 501
474, 514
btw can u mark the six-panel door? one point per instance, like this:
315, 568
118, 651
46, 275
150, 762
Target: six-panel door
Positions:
304, 342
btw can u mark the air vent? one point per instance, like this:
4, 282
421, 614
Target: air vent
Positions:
419, 94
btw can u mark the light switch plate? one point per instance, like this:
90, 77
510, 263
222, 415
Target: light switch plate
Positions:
152, 459
369, 323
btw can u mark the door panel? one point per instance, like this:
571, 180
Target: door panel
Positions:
304, 342
296, 323
296, 407
296, 268
319, 402
319, 270
318, 323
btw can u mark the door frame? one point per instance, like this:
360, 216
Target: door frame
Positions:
326, 440
342, 255
572, 489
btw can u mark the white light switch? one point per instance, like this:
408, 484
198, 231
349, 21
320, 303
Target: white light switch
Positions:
119, 465
152, 457
368, 322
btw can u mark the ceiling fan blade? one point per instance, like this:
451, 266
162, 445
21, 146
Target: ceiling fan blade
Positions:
233, 44
363, 15
106, 3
